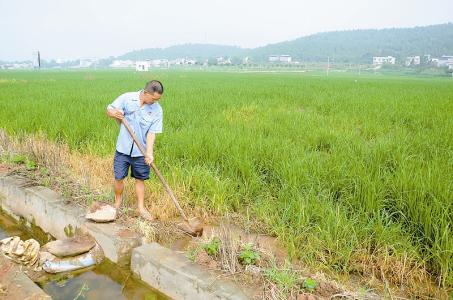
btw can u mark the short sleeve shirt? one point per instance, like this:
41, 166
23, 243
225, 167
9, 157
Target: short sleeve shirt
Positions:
142, 120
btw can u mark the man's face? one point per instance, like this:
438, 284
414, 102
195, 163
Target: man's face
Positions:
150, 98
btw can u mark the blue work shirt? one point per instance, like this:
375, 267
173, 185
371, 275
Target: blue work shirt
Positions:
142, 120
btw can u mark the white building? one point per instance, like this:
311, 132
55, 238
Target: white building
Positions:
445, 61
88, 62
122, 64
383, 60
273, 58
280, 59
159, 63
182, 62
15, 66
223, 61
412, 61
285, 59
142, 66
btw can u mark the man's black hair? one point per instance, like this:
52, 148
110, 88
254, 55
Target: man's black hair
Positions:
154, 86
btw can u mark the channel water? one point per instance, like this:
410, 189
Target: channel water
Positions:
104, 281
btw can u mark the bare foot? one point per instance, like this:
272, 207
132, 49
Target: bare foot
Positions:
144, 214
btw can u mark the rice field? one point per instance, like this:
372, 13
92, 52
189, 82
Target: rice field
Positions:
351, 172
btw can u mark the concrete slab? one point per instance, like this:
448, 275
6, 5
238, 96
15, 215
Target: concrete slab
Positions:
48, 210
178, 278
15, 285
40, 206
117, 241
162, 268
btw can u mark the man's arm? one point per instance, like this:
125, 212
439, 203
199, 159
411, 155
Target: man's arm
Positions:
116, 114
115, 109
150, 138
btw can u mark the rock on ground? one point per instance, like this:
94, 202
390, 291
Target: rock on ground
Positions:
71, 246
101, 212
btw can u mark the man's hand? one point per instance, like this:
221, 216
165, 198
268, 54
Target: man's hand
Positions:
149, 158
116, 113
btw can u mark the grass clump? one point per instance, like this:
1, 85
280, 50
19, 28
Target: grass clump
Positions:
285, 278
212, 247
248, 255
310, 284
18, 159
30, 165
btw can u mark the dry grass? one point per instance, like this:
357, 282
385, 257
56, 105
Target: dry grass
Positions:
228, 250
94, 173
406, 276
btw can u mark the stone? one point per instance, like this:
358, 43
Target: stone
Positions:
306, 296
101, 212
253, 270
22, 252
70, 246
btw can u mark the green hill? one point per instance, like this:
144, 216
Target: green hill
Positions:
351, 46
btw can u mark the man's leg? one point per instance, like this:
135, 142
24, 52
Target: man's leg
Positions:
118, 187
140, 171
121, 165
140, 190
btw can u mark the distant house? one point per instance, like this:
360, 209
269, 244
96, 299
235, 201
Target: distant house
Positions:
285, 58
445, 61
280, 59
88, 62
412, 61
383, 60
223, 61
142, 66
159, 63
15, 66
273, 58
122, 64
182, 62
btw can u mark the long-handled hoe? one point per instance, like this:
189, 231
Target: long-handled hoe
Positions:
192, 226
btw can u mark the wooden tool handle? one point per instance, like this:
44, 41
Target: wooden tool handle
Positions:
156, 170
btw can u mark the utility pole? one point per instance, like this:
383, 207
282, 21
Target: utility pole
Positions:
36, 60
328, 65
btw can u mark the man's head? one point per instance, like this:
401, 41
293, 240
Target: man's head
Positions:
152, 91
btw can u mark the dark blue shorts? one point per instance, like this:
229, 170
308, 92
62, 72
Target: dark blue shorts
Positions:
122, 162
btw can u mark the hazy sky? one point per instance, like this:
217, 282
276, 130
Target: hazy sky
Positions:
101, 28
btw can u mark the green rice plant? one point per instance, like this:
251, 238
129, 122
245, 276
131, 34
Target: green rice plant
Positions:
331, 166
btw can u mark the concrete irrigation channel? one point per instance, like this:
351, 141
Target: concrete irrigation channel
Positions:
147, 268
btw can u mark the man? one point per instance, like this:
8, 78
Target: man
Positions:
144, 115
